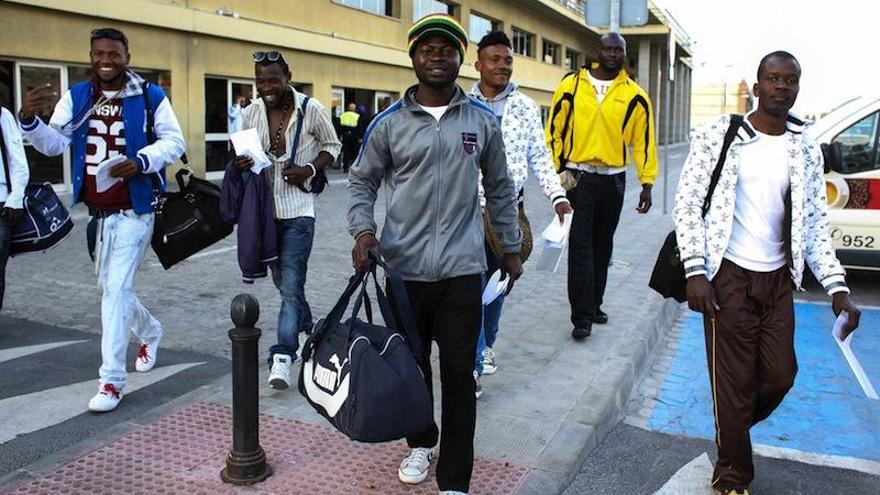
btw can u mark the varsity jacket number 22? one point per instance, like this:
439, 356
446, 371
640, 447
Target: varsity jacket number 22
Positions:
703, 241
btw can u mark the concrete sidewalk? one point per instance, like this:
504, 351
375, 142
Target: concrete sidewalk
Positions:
551, 402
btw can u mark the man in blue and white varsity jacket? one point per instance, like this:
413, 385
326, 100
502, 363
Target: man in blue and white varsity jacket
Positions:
101, 119
768, 216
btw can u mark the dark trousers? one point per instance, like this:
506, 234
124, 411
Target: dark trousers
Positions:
5, 240
449, 312
597, 201
349, 148
750, 351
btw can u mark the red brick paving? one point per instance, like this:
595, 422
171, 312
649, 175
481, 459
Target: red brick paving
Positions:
185, 451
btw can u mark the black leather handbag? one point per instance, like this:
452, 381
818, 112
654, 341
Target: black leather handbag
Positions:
187, 221
668, 276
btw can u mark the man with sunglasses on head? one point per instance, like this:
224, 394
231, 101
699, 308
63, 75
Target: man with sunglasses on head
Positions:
99, 119
430, 149
299, 138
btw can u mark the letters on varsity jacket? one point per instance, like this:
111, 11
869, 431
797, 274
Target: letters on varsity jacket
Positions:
702, 242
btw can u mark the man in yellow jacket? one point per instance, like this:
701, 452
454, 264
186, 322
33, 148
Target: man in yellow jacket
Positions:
601, 120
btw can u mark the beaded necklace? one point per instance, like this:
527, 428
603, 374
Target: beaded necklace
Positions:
277, 139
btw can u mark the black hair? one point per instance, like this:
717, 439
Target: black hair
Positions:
777, 54
281, 63
494, 38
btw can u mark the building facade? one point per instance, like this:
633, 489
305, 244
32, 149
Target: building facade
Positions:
711, 100
340, 51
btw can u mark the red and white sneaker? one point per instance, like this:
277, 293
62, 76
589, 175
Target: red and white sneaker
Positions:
146, 356
106, 399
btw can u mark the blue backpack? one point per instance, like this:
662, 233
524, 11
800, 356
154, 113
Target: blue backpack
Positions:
46, 221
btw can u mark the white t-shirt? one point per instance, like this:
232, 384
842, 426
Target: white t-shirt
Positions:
600, 86
435, 112
756, 240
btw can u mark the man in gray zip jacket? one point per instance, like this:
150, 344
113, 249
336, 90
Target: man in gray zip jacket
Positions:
430, 148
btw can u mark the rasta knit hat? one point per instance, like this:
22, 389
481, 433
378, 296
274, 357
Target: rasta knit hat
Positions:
437, 24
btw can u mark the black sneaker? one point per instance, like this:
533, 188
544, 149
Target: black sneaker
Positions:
581, 332
599, 317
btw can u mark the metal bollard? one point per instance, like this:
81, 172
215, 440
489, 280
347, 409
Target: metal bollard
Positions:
246, 462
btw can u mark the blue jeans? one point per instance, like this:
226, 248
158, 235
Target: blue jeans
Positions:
488, 330
289, 274
491, 313
5, 239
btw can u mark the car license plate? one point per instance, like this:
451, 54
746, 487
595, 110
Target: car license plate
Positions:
855, 238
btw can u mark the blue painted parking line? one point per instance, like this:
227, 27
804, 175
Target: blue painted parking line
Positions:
826, 412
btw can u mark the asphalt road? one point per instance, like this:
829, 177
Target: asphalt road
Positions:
633, 461
827, 427
48, 374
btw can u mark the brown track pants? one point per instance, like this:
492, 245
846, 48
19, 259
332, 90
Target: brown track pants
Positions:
750, 351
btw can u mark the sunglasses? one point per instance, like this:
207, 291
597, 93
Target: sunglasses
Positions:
271, 56
110, 33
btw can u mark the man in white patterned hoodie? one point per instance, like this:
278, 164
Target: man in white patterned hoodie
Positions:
768, 215
524, 147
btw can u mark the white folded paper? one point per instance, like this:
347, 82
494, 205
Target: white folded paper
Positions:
851, 359
103, 180
495, 287
557, 232
555, 238
247, 143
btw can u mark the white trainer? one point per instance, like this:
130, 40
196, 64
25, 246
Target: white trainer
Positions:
479, 389
452, 492
279, 377
414, 467
489, 366
146, 357
106, 399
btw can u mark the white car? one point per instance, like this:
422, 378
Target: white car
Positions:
850, 139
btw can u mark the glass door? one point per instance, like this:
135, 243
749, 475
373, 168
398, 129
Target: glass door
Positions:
382, 101
224, 101
29, 75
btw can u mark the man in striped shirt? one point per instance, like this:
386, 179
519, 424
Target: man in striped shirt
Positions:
296, 159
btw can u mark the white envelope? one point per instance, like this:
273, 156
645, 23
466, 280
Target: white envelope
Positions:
495, 287
851, 359
247, 143
102, 176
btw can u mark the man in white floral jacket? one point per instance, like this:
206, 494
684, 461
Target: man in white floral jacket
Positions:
767, 217
525, 148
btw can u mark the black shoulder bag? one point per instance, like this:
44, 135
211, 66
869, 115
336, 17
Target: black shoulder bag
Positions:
319, 180
668, 277
186, 221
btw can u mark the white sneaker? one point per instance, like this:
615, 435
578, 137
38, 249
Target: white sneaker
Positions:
414, 467
146, 356
452, 492
106, 399
489, 366
479, 392
279, 377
